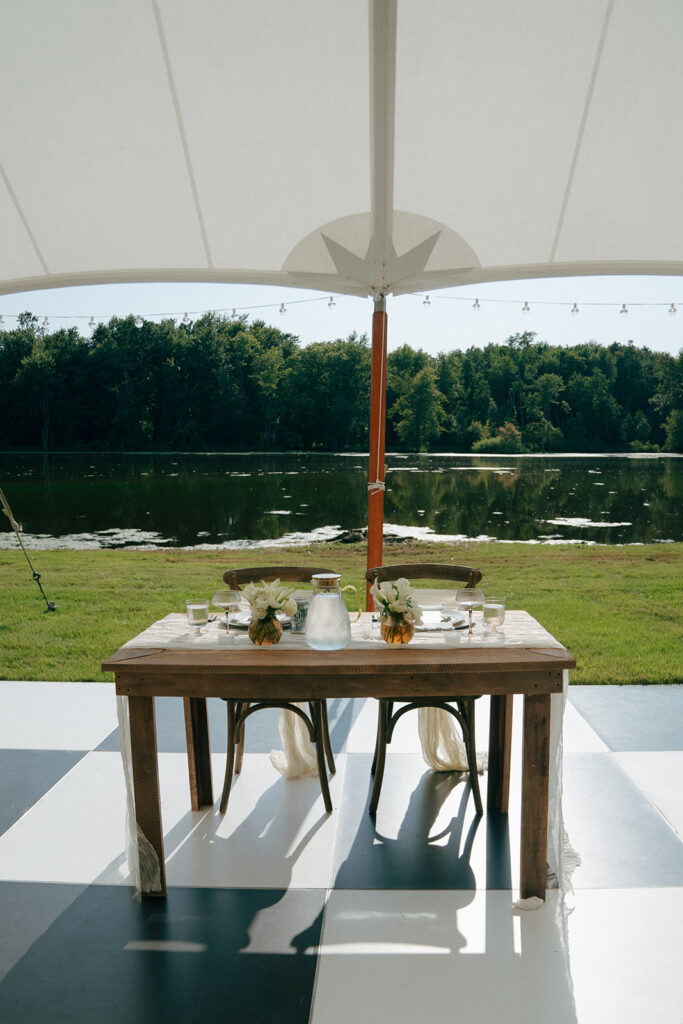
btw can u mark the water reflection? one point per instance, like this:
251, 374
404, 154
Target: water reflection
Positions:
192, 499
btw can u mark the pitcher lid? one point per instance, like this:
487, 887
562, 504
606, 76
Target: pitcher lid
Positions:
326, 579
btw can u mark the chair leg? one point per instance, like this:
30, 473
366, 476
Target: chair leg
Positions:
239, 742
230, 758
385, 709
326, 738
317, 715
390, 709
467, 708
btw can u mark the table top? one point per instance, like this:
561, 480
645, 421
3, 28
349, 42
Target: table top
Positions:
432, 664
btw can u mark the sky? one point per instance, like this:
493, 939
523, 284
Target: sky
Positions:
448, 322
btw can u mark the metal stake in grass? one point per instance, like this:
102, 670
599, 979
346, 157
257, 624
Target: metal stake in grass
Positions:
17, 527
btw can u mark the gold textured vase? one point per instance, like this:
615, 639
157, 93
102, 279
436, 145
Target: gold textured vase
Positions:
397, 630
264, 632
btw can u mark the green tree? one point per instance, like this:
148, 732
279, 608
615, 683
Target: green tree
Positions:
419, 412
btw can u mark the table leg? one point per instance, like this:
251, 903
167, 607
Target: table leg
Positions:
500, 744
143, 748
535, 779
198, 752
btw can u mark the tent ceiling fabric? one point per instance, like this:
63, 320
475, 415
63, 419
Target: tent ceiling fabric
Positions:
347, 146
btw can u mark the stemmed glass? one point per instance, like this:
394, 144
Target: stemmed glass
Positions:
469, 598
197, 609
226, 599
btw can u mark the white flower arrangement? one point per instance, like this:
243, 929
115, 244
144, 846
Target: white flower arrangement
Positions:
267, 599
396, 597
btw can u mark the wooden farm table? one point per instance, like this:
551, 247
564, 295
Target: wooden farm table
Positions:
283, 671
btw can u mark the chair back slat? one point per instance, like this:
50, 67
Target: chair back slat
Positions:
425, 571
236, 578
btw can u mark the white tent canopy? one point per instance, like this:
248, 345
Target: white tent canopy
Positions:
354, 146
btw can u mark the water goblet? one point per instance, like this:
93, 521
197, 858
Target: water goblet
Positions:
469, 598
494, 612
226, 599
197, 609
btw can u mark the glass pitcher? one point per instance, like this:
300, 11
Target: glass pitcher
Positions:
328, 626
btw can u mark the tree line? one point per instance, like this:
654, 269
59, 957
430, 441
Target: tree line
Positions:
229, 384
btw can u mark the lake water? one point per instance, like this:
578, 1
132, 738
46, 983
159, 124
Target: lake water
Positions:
229, 500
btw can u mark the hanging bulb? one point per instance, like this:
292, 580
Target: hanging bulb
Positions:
46, 324
186, 320
2, 321
331, 304
671, 311
475, 306
234, 312
427, 301
575, 310
91, 323
138, 321
623, 311
526, 308
282, 308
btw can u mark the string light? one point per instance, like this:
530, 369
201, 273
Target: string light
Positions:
238, 311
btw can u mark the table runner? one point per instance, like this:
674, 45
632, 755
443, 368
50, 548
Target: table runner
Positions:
442, 746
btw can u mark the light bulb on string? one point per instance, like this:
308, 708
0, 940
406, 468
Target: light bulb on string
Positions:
427, 301
526, 309
575, 310
331, 304
476, 306
623, 311
671, 310
234, 312
138, 321
2, 321
283, 309
46, 324
186, 320
91, 323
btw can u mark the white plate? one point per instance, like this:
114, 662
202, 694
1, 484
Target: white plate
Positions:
241, 620
432, 621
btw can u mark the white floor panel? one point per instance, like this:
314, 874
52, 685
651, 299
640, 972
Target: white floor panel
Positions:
56, 716
275, 833
75, 831
625, 955
578, 736
659, 774
440, 956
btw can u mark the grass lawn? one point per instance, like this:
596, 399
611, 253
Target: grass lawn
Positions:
617, 609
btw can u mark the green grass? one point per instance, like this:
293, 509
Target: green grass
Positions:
617, 609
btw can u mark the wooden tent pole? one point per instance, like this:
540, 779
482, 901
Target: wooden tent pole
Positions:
378, 416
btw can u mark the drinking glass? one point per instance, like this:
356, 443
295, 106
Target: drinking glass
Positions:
469, 598
197, 613
226, 599
494, 612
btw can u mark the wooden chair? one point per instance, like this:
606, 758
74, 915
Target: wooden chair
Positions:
464, 706
239, 710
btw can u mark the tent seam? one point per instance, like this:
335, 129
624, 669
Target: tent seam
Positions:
22, 217
181, 130
582, 127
